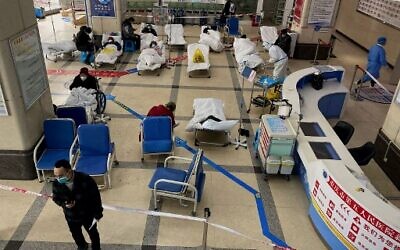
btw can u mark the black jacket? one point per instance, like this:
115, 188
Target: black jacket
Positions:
284, 43
89, 83
85, 194
127, 31
83, 41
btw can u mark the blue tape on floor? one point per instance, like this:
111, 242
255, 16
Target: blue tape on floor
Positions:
133, 70
134, 113
260, 207
264, 223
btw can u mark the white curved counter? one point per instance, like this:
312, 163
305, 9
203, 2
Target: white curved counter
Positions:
347, 211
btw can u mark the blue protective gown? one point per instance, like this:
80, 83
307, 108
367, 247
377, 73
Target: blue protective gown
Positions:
376, 59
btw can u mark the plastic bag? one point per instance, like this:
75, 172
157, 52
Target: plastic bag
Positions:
273, 93
198, 56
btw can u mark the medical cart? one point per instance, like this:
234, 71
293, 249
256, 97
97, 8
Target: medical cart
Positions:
277, 140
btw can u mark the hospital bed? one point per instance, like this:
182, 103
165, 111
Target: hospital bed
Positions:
246, 54
198, 69
110, 54
60, 49
213, 39
147, 38
149, 60
174, 34
209, 117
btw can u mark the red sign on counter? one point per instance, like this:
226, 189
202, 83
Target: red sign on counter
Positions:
356, 226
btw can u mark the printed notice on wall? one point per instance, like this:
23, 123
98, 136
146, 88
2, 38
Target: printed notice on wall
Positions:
356, 226
387, 11
321, 12
3, 107
104, 8
28, 61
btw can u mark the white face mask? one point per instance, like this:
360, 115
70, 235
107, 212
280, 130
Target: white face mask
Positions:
83, 78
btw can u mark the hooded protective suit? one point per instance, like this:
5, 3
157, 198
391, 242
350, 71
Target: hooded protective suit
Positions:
279, 58
376, 59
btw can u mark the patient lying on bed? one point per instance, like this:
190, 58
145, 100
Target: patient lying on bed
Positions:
246, 53
209, 115
110, 52
211, 38
152, 58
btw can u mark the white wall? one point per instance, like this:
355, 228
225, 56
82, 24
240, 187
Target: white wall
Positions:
365, 30
391, 126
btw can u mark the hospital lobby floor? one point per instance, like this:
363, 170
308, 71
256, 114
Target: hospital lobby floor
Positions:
29, 222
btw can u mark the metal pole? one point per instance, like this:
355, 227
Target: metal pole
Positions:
207, 214
316, 54
52, 24
353, 78
329, 53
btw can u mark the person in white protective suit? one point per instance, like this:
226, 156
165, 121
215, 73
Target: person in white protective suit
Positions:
279, 58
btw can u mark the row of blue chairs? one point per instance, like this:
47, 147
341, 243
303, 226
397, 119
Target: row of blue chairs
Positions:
88, 148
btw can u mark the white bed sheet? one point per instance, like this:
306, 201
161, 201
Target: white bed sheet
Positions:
174, 33
206, 107
269, 34
246, 53
198, 66
110, 53
146, 39
213, 39
149, 59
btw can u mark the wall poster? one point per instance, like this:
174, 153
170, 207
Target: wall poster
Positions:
103, 8
298, 10
321, 12
29, 65
387, 11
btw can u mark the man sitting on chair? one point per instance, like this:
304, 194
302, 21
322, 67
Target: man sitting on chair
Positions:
164, 110
84, 80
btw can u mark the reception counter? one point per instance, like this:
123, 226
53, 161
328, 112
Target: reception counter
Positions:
345, 208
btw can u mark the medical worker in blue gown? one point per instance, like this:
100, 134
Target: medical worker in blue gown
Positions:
376, 59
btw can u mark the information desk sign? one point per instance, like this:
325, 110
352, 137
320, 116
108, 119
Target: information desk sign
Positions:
354, 226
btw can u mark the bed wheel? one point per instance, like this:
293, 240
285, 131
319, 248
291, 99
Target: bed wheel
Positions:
196, 143
139, 73
158, 74
142, 159
193, 213
209, 76
190, 76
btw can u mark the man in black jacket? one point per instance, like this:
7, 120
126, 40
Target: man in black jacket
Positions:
78, 195
284, 40
128, 32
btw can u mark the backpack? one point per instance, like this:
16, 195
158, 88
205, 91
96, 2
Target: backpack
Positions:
317, 81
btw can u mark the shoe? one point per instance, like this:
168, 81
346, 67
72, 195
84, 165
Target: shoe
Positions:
372, 83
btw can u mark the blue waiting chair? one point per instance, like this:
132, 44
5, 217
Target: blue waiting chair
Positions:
175, 183
96, 153
56, 144
76, 113
156, 136
232, 25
